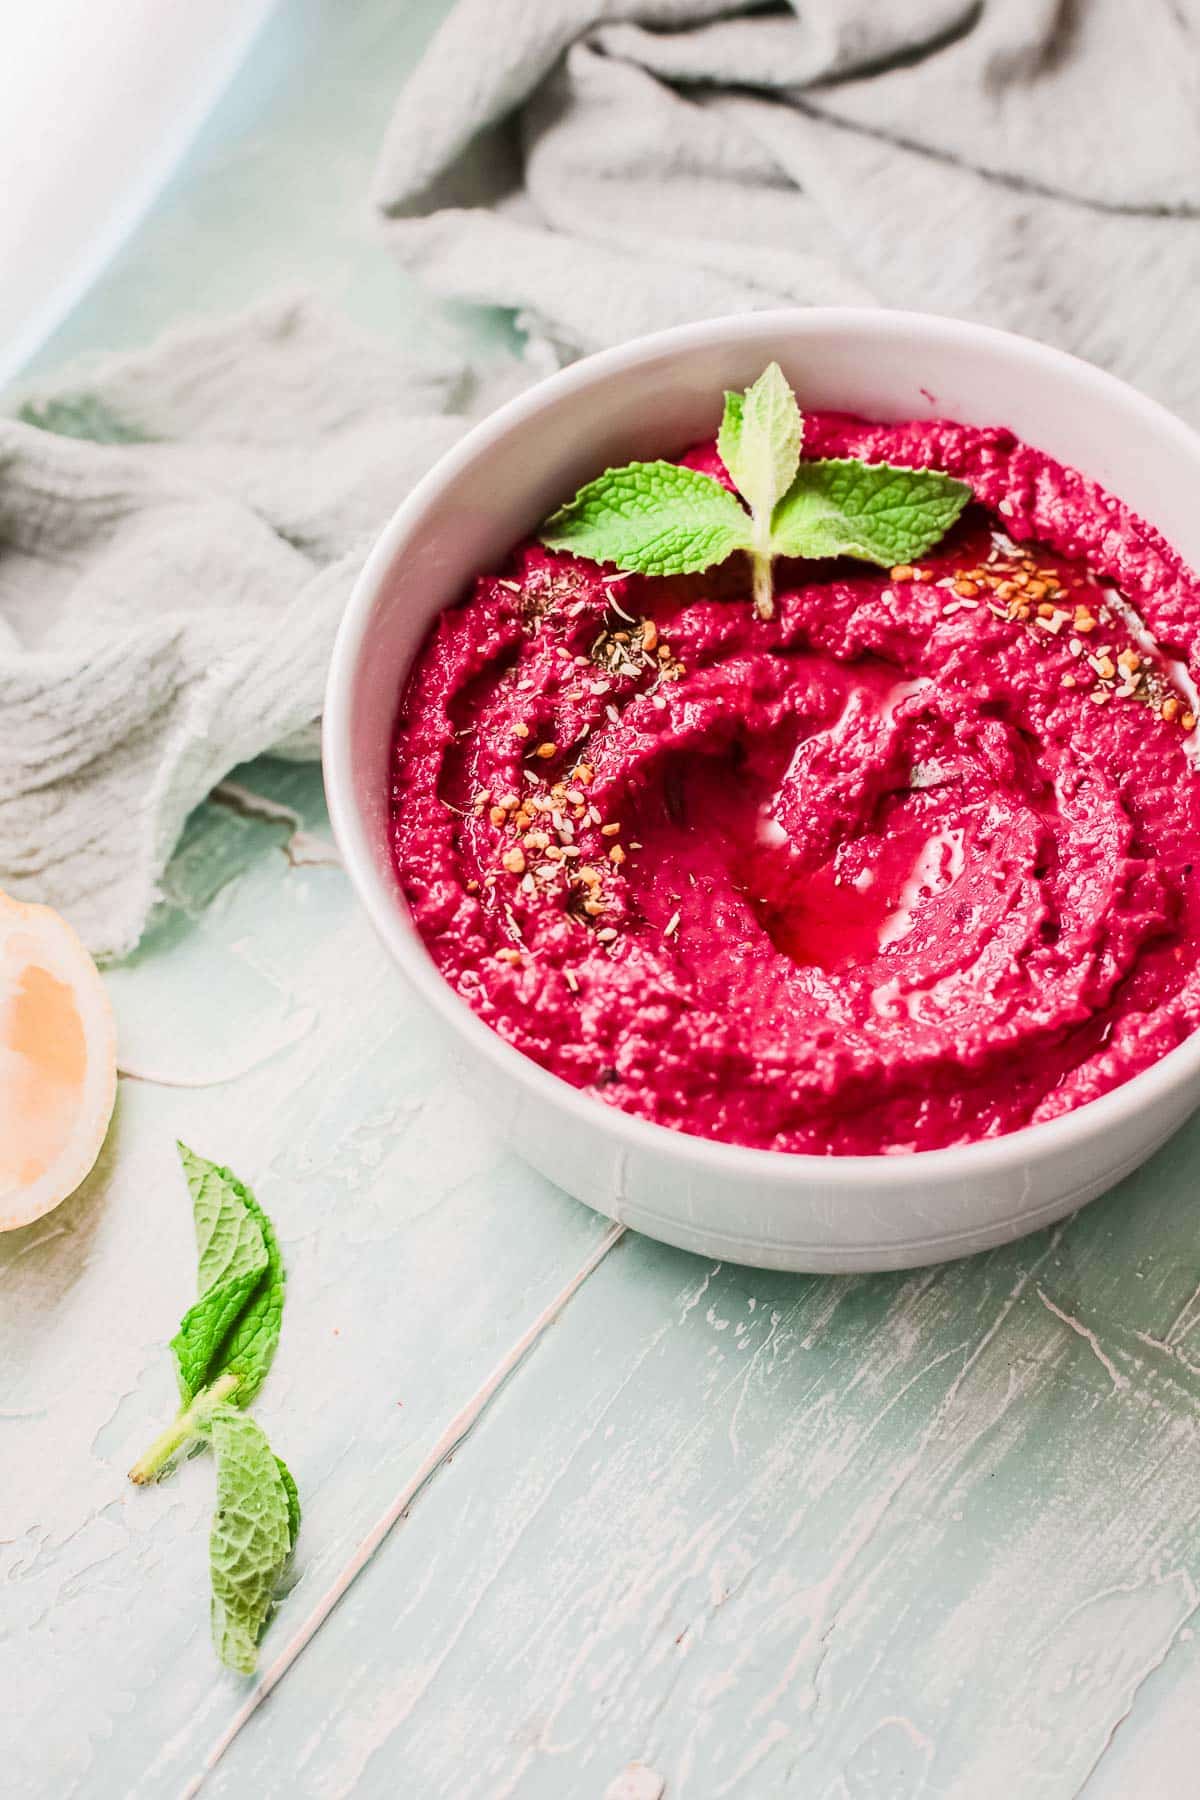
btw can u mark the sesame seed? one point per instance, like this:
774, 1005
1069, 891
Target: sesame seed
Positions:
671, 926
572, 980
607, 935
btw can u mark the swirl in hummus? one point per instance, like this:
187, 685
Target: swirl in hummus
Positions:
909, 865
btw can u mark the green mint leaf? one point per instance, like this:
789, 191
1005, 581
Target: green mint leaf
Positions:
874, 511
232, 1260
249, 1349
759, 442
729, 437
252, 1536
293, 1501
651, 519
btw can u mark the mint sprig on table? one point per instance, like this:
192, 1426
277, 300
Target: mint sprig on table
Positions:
657, 518
223, 1349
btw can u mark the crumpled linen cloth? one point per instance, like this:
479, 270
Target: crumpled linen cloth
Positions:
603, 167
169, 596
614, 166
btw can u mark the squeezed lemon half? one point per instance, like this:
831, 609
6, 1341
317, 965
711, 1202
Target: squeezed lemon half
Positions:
58, 1062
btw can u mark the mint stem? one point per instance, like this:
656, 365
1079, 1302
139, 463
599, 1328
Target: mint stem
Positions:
188, 1423
764, 592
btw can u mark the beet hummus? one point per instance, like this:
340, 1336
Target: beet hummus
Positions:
908, 865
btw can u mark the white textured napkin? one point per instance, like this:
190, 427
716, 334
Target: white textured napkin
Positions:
168, 597
612, 166
605, 167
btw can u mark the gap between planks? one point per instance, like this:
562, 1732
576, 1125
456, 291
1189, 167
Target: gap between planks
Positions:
459, 1427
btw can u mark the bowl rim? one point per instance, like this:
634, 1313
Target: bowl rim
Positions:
384, 903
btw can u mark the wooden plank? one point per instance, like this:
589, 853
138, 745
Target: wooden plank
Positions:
416, 1250
864, 1540
928, 1534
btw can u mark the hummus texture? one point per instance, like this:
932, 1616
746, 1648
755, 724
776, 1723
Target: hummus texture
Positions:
909, 865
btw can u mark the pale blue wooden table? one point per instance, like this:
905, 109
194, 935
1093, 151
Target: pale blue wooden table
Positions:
866, 1539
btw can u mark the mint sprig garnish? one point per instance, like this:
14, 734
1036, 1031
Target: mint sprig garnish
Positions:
660, 519
223, 1350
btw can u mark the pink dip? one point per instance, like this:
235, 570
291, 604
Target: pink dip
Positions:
909, 865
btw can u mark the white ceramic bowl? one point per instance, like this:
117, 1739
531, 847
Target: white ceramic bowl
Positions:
655, 397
